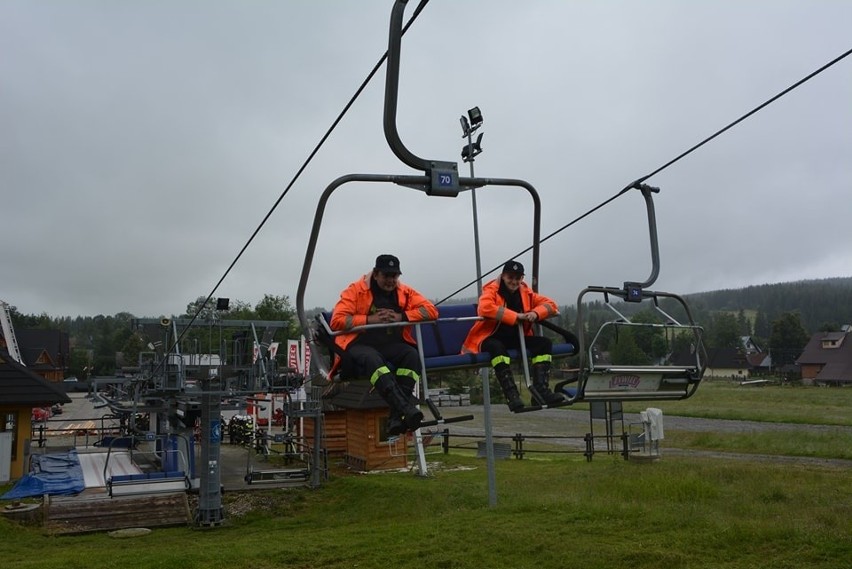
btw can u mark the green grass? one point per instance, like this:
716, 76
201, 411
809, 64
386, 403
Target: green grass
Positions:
830, 444
558, 511
674, 513
783, 404
831, 408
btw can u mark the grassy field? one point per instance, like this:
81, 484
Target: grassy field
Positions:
556, 511
830, 408
675, 513
782, 404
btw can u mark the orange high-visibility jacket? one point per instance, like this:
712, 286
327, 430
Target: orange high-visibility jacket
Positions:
493, 308
355, 302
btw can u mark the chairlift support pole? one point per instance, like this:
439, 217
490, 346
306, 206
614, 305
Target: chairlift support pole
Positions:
209, 511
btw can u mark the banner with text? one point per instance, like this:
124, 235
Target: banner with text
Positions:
299, 355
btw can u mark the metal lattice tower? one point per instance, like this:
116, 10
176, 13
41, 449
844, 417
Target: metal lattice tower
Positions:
9, 332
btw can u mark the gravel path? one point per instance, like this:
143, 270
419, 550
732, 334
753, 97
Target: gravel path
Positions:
576, 422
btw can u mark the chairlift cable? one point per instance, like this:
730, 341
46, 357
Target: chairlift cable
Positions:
307, 161
638, 182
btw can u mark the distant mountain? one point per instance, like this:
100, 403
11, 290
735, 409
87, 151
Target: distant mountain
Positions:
818, 302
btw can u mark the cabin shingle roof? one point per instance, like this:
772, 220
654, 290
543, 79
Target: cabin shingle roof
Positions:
20, 386
836, 361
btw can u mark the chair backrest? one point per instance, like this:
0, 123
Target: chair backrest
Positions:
446, 337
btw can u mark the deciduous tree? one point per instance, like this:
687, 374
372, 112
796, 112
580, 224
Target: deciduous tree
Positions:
788, 339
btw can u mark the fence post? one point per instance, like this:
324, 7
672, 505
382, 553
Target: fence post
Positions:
590, 446
625, 446
519, 446
445, 443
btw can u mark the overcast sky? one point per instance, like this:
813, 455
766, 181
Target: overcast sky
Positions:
141, 144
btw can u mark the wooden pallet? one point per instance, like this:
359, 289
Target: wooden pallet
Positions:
98, 512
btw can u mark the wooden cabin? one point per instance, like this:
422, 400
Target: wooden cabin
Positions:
357, 412
334, 432
20, 391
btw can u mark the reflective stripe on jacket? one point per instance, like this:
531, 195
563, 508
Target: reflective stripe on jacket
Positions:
492, 306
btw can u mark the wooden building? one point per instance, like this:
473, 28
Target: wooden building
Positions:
355, 427
334, 432
45, 352
827, 358
20, 391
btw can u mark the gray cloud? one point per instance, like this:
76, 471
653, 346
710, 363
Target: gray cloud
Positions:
142, 143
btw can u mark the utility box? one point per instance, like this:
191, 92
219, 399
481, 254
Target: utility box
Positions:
646, 443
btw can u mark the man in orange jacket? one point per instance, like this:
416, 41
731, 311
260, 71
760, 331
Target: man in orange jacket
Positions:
506, 302
385, 354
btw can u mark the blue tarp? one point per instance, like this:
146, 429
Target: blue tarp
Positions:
54, 474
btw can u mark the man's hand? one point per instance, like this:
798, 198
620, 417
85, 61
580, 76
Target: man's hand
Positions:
528, 316
384, 316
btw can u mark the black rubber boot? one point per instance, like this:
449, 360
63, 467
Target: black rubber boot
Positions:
510, 390
401, 405
541, 385
396, 424
408, 386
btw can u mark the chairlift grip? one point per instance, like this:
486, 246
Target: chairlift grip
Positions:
652, 233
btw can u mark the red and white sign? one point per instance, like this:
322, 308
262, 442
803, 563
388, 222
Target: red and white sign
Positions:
299, 355
306, 357
293, 354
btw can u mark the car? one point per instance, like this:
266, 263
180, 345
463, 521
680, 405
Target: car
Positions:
73, 384
56, 409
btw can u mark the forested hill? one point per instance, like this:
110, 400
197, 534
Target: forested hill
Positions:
818, 302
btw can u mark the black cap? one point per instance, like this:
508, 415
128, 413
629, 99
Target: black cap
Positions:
387, 264
513, 267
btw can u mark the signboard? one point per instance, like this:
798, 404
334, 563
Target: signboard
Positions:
216, 431
299, 355
306, 357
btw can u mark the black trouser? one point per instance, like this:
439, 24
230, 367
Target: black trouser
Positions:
372, 361
539, 349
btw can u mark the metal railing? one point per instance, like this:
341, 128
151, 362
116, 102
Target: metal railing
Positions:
520, 445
